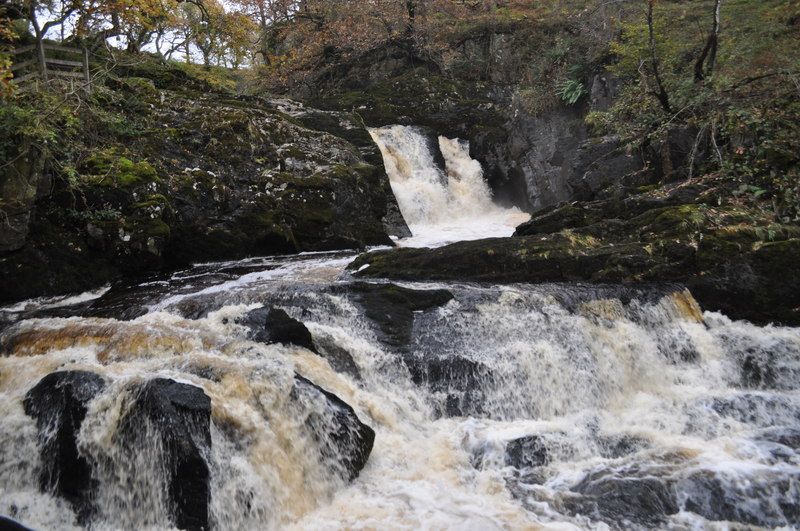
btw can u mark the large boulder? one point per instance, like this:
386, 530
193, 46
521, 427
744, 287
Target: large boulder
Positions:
623, 501
391, 308
769, 501
274, 325
59, 403
459, 381
345, 441
281, 328
338, 357
172, 420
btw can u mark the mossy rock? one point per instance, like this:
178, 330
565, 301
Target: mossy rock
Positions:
419, 97
153, 201
681, 219
154, 228
108, 168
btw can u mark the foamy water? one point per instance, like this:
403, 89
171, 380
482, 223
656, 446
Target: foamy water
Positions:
555, 406
439, 205
573, 365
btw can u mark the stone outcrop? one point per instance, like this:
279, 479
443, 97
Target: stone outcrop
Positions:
178, 416
183, 173
345, 441
392, 308
734, 260
59, 403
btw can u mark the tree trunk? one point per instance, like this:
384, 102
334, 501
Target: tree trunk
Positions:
661, 93
712, 58
411, 10
710, 49
39, 35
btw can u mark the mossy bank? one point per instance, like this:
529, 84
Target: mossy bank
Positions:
160, 167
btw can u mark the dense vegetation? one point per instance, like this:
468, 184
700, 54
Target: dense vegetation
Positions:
715, 81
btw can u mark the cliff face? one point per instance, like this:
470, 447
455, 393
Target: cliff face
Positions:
532, 159
157, 170
605, 210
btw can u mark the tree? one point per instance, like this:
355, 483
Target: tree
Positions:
709, 52
660, 92
7, 38
267, 15
45, 15
237, 37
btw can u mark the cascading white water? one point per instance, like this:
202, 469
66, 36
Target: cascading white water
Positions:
639, 414
498, 407
441, 206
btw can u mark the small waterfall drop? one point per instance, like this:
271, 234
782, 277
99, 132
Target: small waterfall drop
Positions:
493, 407
563, 406
441, 205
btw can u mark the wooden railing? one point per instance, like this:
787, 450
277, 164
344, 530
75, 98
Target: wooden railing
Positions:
28, 72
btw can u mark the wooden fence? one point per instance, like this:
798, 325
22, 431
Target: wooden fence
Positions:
32, 65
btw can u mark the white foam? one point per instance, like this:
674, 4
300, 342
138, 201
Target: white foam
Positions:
441, 207
47, 303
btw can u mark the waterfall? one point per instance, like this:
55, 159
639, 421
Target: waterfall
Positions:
493, 407
441, 205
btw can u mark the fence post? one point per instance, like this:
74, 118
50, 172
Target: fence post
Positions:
86, 77
42, 59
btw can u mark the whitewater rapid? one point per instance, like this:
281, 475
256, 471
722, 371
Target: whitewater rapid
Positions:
552, 406
618, 384
441, 204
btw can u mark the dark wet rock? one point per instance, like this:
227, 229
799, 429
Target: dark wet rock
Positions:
176, 416
338, 357
459, 380
768, 501
720, 254
757, 409
769, 363
616, 446
193, 309
281, 328
576, 215
757, 372
273, 325
623, 500
255, 321
527, 452
392, 307
7, 524
345, 441
785, 436
59, 403
556, 258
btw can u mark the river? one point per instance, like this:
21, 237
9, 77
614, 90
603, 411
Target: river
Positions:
563, 406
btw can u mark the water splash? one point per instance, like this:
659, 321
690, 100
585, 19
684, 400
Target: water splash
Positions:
441, 205
617, 394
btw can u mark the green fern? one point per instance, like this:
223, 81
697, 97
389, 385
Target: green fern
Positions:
571, 91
